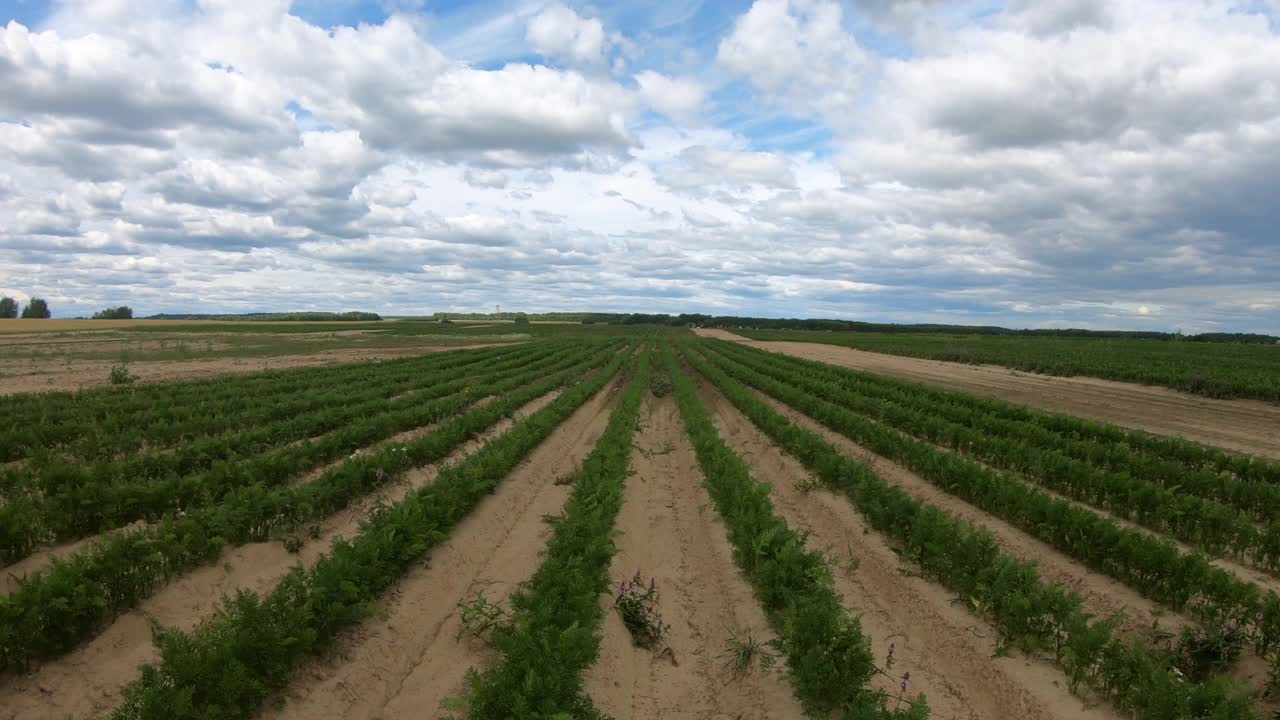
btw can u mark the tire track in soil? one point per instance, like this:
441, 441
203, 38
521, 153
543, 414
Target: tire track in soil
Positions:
946, 649
1247, 426
89, 681
407, 665
670, 531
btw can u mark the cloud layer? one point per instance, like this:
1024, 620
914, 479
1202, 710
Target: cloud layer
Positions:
1061, 162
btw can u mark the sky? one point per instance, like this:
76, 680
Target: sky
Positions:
1027, 163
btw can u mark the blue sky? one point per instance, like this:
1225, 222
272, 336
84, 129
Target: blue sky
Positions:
1058, 162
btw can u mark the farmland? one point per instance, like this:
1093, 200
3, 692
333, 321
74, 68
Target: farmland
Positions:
572, 521
1213, 369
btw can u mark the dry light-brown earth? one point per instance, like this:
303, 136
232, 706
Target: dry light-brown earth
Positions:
21, 377
1239, 425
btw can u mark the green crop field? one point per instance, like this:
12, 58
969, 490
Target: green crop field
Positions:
558, 525
1220, 370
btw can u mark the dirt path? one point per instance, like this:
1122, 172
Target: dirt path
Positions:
81, 374
89, 681
410, 663
946, 649
670, 532
1240, 425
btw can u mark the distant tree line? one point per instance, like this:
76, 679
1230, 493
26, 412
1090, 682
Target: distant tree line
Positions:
754, 323
124, 312
36, 309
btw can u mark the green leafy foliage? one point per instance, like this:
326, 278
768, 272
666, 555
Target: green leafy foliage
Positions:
120, 375
1151, 565
71, 500
1135, 678
53, 611
660, 385
124, 312
480, 617
554, 634
227, 667
1216, 369
36, 309
828, 658
96, 424
1214, 510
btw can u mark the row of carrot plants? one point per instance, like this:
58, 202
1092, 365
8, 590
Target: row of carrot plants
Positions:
1249, 483
1098, 442
1215, 369
228, 666
553, 634
249, 436
55, 610
1188, 453
1136, 678
99, 423
75, 510
250, 431
829, 659
1151, 565
1163, 503
170, 429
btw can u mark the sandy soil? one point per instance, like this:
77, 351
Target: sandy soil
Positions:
1240, 425
89, 681
946, 649
670, 532
87, 374
410, 663
1102, 595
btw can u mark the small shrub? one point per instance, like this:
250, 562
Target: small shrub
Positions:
1201, 652
120, 375
293, 544
660, 384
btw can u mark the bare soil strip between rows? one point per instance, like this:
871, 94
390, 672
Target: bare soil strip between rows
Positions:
946, 649
1248, 426
669, 531
89, 681
408, 664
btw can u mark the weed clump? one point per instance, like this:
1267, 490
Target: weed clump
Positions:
638, 605
120, 375
745, 651
660, 385
480, 617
